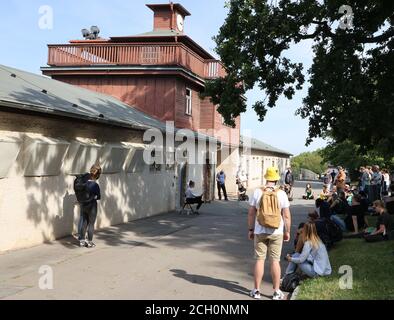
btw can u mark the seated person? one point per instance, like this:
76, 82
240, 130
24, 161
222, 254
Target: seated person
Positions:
355, 220
322, 228
313, 261
308, 193
364, 201
325, 194
193, 198
383, 224
241, 191
347, 190
339, 206
323, 208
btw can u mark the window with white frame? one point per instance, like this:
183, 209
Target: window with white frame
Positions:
188, 110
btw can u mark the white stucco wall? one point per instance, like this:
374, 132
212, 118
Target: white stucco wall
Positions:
256, 163
229, 161
35, 209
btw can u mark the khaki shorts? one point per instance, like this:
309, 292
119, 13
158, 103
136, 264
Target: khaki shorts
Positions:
268, 242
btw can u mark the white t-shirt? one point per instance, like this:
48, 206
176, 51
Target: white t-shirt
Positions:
283, 203
190, 194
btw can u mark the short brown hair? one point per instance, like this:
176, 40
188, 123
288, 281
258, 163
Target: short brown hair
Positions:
95, 171
380, 204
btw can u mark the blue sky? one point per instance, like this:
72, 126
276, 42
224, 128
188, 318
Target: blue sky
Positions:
23, 46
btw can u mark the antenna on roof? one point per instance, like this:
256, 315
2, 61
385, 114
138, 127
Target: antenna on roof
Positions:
93, 34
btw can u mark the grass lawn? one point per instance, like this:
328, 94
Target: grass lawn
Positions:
373, 272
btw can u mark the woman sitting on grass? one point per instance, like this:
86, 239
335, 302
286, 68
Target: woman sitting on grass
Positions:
382, 230
313, 261
308, 193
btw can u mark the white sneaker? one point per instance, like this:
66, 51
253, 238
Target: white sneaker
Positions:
255, 294
90, 244
82, 243
278, 295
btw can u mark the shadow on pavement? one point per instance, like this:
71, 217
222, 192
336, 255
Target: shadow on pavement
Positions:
209, 281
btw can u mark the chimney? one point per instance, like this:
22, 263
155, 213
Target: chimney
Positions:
170, 17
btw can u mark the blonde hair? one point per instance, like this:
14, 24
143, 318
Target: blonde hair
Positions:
95, 171
310, 234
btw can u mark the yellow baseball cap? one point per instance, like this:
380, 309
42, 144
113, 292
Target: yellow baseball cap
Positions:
272, 174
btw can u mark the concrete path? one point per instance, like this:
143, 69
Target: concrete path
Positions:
168, 257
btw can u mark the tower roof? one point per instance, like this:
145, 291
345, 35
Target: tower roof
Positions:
170, 6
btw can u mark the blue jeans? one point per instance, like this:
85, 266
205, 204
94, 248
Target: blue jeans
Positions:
339, 222
80, 223
306, 267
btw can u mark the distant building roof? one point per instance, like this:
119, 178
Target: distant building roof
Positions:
260, 145
30, 92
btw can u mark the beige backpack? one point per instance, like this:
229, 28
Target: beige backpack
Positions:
269, 213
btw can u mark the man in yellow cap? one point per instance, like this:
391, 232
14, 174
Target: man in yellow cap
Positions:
269, 237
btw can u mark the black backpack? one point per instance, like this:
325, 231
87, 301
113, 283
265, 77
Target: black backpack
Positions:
289, 178
323, 232
290, 282
81, 188
334, 231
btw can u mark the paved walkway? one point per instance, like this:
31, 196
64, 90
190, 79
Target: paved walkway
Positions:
168, 257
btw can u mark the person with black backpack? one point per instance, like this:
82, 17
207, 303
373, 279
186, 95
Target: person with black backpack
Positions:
88, 193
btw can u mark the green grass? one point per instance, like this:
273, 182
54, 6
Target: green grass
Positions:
373, 273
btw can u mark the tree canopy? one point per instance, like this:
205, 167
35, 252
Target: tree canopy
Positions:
309, 160
351, 92
348, 155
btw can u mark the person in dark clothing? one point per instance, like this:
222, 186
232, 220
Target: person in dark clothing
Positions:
221, 184
322, 228
323, 208
339, 206
355, 220
364, 201
89, 209
383, 224
289, 178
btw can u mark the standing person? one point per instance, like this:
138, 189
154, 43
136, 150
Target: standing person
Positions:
89, 207
192, 197
340, 180
221, 182
269, 223
289, 181
376, 182
364, 179
327, 180
333, 175
289, 178
386, 182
